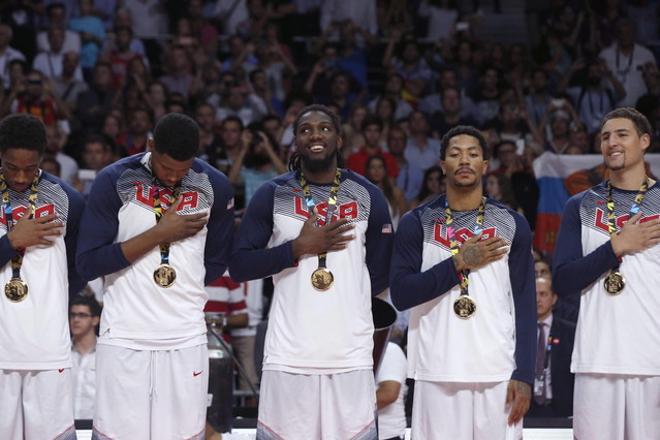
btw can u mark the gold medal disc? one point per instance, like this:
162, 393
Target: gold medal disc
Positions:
614, 283
322, 279
464, 307
164, 275
16, 290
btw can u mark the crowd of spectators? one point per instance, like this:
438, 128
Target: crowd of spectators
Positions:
100, 73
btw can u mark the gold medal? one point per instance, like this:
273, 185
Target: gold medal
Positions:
322, 279
164, 275
614, 283
16, 290
464, 307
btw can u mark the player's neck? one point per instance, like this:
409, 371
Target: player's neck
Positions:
320, 176
84, 344
628, 179
464, 199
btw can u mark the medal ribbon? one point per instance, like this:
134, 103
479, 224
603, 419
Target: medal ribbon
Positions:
158, 211
453, 243
332, 205
17, 261
634, 209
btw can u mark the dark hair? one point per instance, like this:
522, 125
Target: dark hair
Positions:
271, 117
386, 183
294, 160
86, 300
177, 135
53, 6
105, 141
22, 131
233, 118
497, 148
317, 108
424, 190
122, 28
642, 125
49, 158
372, 120
467, 130
254, 73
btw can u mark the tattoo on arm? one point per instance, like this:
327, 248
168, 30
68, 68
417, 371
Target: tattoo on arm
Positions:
472, 256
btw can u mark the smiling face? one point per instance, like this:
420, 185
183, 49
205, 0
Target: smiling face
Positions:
464, 163
621, 145
317, 140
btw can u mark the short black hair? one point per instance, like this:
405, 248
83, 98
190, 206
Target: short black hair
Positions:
467, 130
177, 135
496, 150
24, 131
317, 108
93, 138
372, 120
233, 118
642, 125
86, 300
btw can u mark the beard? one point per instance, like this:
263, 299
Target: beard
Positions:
317, 165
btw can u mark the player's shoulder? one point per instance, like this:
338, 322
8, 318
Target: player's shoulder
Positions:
216, 176
113, 171
357, 179
587, 197
424, 213
348, 174
55, 182
505, 215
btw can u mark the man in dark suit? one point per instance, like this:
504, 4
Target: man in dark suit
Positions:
553, 384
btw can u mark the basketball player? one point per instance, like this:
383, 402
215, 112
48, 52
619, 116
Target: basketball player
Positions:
607, 249
463, 265
324, 233
39, 226
158, 225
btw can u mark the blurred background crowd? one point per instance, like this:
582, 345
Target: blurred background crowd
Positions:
535, 76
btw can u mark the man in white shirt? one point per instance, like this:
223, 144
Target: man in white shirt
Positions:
7, 54
391, 380
84, 316
57, 17
625, 59
50, 62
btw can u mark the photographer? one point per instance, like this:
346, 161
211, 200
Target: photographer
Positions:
256, 163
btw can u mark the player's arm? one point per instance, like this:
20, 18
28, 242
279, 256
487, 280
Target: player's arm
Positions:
97, 254
572, 271
523, 289
7, 252
387, 393
409, 286
76, 207
220, 228
378, 242
250, 258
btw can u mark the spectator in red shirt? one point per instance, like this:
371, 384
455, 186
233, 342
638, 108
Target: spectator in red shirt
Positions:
372, 127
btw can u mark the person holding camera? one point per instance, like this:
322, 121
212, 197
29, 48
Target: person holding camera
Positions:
257, 162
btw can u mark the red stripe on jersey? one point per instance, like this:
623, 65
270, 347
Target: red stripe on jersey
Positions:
225, 282
237, 307
216, 307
